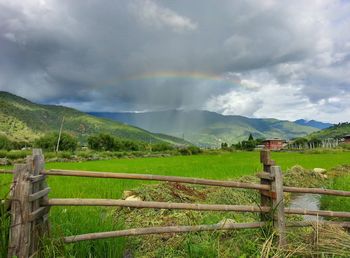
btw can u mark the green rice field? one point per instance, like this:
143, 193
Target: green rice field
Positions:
78, 220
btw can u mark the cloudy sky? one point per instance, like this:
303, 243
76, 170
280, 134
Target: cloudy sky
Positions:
282, 59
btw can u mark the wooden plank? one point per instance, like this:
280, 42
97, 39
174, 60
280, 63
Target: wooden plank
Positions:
316, 191
38, 178
319, 222
155, 205
187, 180
20, 230
265, 199
38, 213
6, 171
269, 194
338, 214
278, 205
38, 217
162, 230
38, 195
265, 175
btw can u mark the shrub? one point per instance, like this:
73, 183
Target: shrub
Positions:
49, 142
194, 149
5, 144
162, 147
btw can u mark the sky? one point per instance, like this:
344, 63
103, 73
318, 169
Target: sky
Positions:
280, 59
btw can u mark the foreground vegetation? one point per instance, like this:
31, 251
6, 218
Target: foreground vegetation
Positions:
71, 221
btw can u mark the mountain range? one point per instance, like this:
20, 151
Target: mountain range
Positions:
313, 123
210, 129
23, 120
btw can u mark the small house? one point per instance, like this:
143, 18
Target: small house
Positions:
274, 144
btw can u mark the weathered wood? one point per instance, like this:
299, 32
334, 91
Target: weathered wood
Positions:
316, 191
266, 196
177, 179
6, 171
265, 158
20, 230
36, 196
339, 214
278, 205
162, 230
38, 178
320, 222
265, 175
155, 205
37, 214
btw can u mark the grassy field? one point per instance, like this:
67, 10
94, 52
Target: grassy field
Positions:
68, 221
338, 203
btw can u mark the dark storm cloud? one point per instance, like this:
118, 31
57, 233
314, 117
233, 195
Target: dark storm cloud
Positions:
82, 54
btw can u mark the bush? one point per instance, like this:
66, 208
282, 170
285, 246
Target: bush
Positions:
162, 147
5, 144
105, 142
185, 151
49, 142
194, 150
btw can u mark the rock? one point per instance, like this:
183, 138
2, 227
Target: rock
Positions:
133, 198
227, 222
127, 194
320, 170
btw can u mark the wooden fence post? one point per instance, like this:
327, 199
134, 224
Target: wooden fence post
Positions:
28, 216
278, 204
272, 176
265, 179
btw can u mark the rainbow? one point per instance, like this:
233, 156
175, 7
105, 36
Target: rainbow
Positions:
181, 75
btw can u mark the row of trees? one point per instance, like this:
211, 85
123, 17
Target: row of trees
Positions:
106, 142
247, 145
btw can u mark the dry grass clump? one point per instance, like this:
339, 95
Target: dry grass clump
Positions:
301, 177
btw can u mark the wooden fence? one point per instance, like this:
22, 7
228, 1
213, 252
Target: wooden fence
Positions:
29, 204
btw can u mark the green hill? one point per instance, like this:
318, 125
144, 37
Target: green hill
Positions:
206, 128
23, 120
336, 131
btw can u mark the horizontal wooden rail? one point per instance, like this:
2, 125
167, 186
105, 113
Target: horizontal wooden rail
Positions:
188, 206
178, 179
315, 191
188, 180
319, 222
339, 214
6, 171
162, 230
155, 205
185, 229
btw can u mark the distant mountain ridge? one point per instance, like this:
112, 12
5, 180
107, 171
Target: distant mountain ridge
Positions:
337, 131
313, 123
23, 120
206, 128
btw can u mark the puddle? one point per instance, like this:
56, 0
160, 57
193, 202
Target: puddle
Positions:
307, 201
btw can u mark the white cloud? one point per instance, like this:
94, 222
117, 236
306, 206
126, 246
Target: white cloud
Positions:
291, 58
150, 13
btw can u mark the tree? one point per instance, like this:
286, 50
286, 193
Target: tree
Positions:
251, 138
49, 142
248, 145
